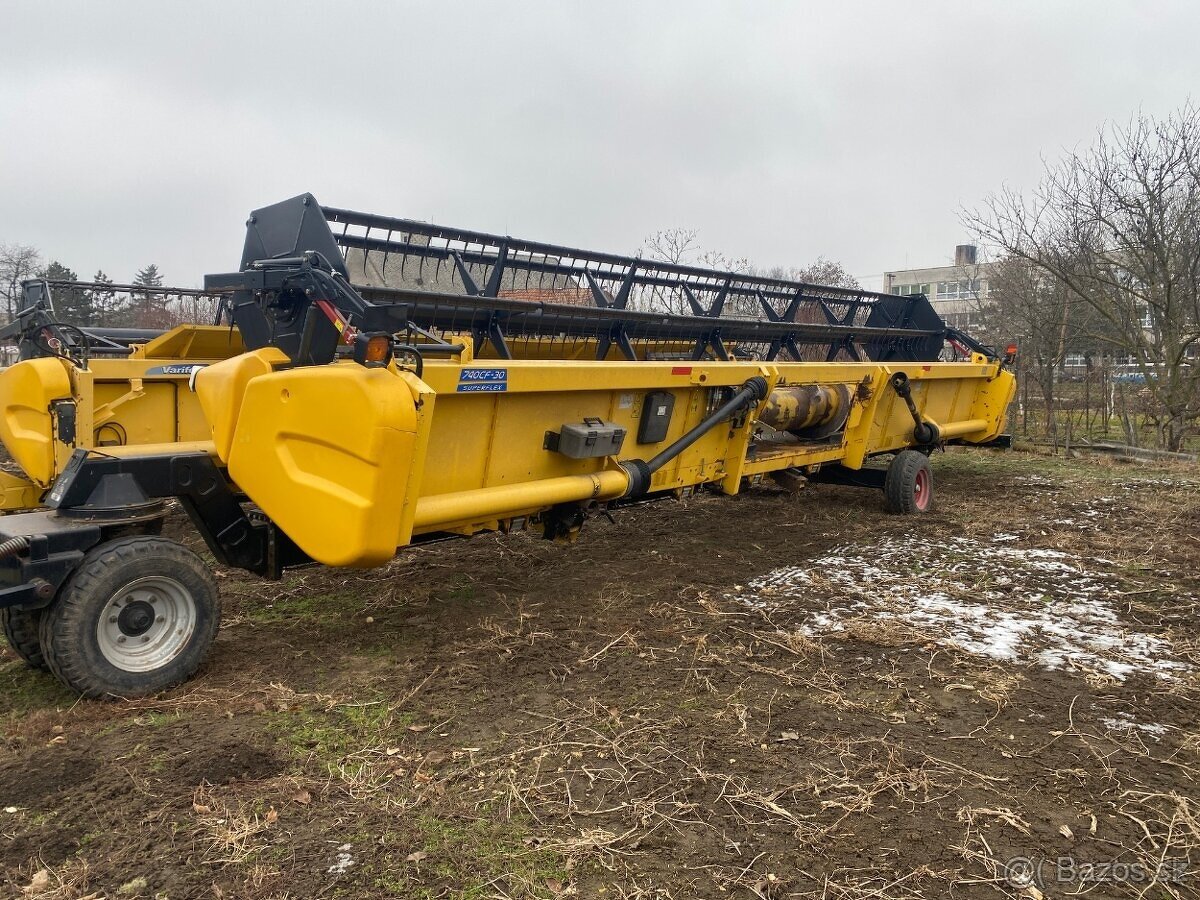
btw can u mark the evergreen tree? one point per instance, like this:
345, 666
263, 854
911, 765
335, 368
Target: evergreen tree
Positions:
71, 304
149, 276
105, 304
150, 308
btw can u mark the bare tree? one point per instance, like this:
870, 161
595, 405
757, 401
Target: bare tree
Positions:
824, 271
17, 263
681, 247
1042, 316
1117, 226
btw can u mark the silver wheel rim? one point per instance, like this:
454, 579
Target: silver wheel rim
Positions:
146, 624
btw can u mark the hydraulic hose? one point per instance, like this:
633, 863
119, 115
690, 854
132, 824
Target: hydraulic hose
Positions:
752, 392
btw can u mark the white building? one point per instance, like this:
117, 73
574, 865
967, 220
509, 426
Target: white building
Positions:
956, 292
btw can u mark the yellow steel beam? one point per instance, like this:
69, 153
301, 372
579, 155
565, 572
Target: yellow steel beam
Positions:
469, 454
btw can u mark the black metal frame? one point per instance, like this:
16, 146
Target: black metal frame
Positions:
96, 495
829, 322
274, 302
453, 281
36, 320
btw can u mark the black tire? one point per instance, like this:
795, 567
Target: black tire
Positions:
21, 629
92, 642
908, 487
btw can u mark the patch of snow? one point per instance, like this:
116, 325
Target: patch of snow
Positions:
1039, 480
1137, 484
994, 599
342, 862
1125, 722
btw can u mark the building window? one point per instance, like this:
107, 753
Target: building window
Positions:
964, 321
968, 289
905, 290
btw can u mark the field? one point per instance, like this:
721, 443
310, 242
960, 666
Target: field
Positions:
775, 695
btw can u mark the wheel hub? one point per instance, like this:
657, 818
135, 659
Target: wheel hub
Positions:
921, 489
136, 618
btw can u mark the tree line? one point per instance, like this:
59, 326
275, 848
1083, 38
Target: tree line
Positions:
83, 307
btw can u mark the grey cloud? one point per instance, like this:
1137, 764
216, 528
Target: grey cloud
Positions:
138, 132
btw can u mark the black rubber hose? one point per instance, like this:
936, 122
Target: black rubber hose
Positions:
925, 433
752, 391
13, 546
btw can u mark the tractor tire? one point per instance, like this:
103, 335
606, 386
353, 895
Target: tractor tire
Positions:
908, 487
21, 629
137, 617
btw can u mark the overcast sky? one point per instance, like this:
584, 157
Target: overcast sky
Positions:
144, 132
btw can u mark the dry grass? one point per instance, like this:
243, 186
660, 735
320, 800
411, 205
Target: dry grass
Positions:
231, 830
69, 881
665, 742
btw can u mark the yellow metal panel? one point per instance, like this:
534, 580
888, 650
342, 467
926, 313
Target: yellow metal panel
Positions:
18, 493
190, 424
326, 452
133, 450
424, 401
26, 426
222, 387
992, 398
147, 414
460, 435
193, 343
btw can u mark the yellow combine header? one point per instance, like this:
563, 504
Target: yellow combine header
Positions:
336, 421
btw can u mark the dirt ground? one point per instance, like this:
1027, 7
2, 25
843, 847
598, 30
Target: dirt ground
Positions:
774, 695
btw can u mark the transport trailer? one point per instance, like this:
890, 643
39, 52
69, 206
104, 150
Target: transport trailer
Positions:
361, 417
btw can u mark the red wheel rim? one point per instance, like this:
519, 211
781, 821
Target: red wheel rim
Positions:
921, 490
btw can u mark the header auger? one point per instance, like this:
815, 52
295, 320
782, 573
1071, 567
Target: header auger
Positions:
378, 382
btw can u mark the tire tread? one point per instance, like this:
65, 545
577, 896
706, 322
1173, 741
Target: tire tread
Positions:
898, 485
22, 631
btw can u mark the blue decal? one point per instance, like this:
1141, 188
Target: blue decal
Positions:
483, 387
487, 375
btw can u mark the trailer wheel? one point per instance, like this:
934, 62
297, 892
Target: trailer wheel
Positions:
21, 629
908, 488
138, 616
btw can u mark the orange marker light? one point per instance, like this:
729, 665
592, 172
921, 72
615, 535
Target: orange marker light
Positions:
379, 347
372, 349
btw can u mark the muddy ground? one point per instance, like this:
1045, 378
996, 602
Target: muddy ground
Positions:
775, 695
